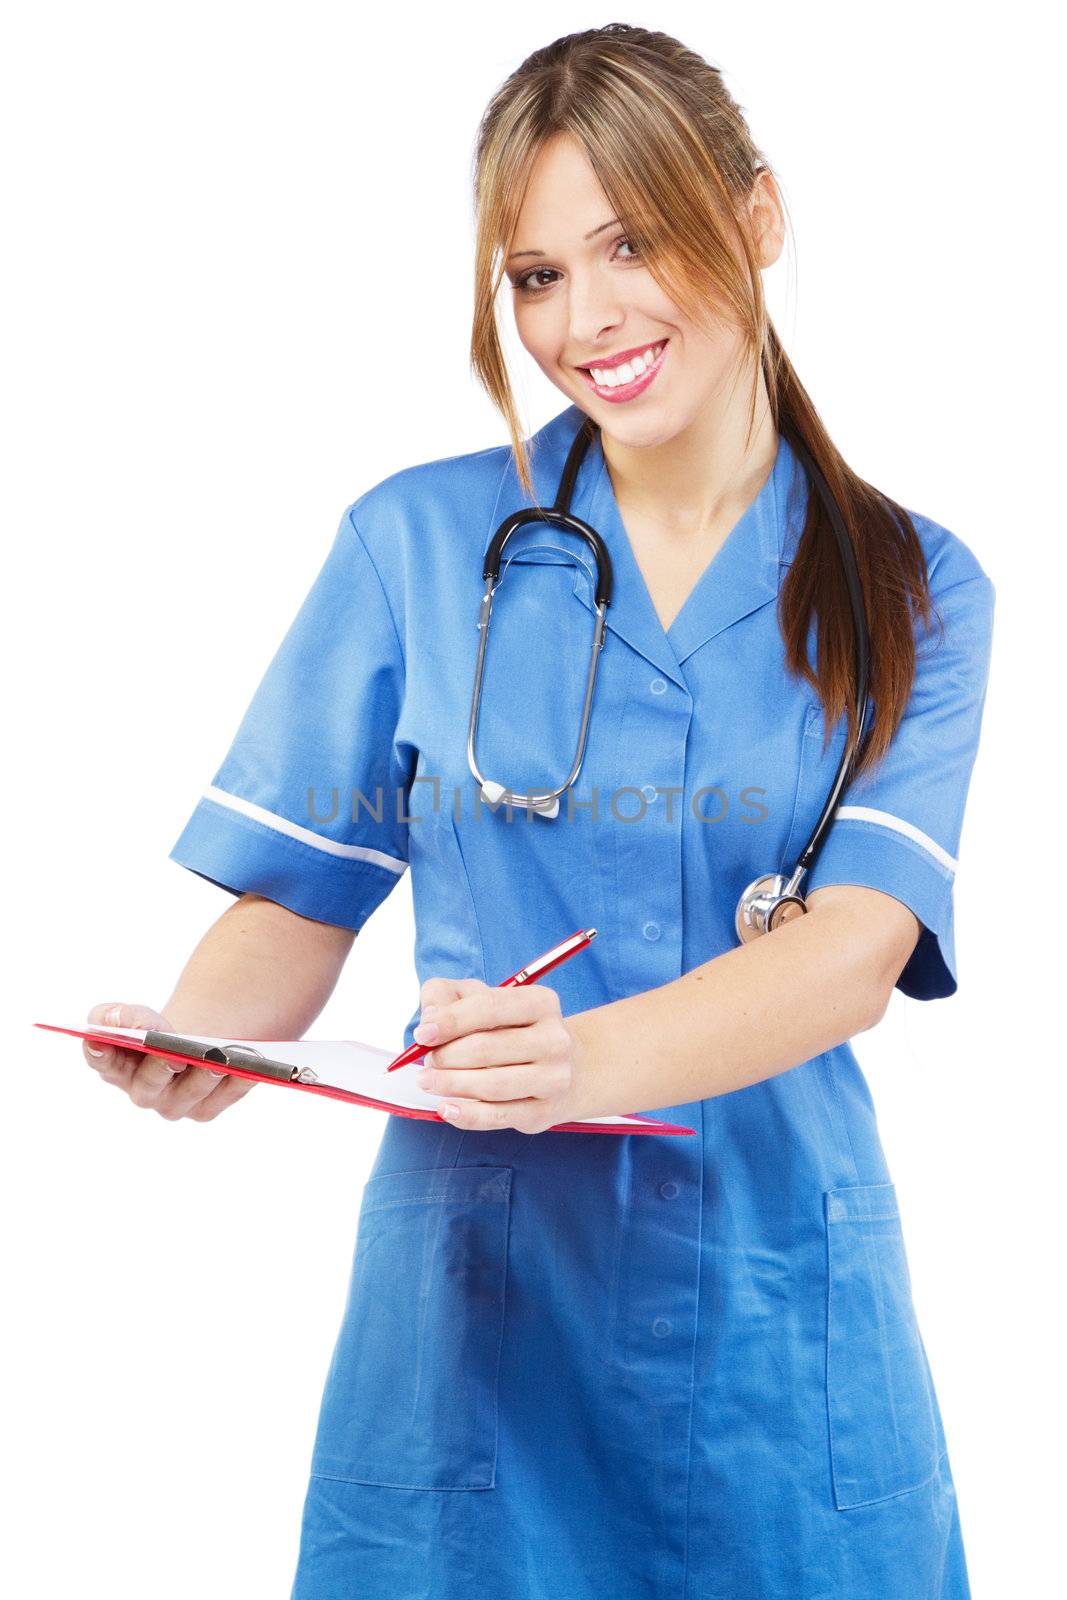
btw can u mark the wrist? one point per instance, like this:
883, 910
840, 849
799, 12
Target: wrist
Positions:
585, 1095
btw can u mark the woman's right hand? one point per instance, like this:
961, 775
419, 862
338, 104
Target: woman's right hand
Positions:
157, 1085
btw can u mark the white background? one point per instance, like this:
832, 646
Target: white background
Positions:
238, 294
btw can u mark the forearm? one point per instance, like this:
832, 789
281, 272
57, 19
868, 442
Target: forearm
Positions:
746, 1015
260, 972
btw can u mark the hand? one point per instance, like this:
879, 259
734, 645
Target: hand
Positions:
173, 1090
504, 1058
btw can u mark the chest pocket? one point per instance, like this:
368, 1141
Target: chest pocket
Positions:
411, 1395
884, 1435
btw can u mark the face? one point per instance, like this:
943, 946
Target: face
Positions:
593, 317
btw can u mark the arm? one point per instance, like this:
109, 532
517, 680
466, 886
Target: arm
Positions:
261, 971
750, 1013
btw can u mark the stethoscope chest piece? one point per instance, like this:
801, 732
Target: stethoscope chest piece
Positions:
765, 905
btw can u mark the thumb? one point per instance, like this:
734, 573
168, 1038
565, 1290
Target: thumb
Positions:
116, 1014
119, 1014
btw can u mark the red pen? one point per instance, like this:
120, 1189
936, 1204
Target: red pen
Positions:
528, 974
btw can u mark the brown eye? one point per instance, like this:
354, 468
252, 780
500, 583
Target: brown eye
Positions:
524, 285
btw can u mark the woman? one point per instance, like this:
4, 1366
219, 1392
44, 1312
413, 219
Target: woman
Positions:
632, 1366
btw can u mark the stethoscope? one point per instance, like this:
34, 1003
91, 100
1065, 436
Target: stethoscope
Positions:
773, 898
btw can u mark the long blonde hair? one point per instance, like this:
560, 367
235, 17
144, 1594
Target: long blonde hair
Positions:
673, 153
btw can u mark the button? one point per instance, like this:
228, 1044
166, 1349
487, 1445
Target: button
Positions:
668, 1190
658, 685
651, 930
661, 1327
649, 791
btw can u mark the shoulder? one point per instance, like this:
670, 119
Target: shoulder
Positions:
949, 559
448, 499
421, 532
452, 503
958, 635
426, 521
963, 596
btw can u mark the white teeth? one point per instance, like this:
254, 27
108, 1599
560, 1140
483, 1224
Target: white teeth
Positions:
636, 367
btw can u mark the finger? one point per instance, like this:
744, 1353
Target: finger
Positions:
225, 1094
185, 1089
150, 1077
437, 991
485, 1007
114, 1062
516, 1081
103, 1057
201, 1093
499, 1047
526, 1115
440, 991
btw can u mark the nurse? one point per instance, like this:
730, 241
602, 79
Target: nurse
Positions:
574, 1366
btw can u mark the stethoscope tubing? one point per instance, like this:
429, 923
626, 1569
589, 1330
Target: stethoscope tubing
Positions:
560, 516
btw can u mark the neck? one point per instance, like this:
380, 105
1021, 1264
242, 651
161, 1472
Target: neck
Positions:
704, 476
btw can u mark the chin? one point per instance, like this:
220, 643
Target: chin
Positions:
641, 433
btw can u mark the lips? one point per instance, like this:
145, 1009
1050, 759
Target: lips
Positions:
608, 362
627, 391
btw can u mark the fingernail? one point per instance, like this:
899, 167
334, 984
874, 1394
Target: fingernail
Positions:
449, 1111
93, 1052
427, 1033
113, 1015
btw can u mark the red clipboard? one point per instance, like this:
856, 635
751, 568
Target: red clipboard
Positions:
343, 1069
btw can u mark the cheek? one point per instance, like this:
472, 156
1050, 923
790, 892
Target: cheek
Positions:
543, 333
535, 332
721, 342
713, 357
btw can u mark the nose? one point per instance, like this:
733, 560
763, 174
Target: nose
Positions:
594, 309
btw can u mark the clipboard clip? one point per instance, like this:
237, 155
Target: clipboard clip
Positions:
235, 1055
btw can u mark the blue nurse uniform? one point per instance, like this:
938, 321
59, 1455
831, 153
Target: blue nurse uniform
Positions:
574, 1366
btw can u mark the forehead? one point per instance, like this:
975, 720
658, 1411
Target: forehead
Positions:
563, 195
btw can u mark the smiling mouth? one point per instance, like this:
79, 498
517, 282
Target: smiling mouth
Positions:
628, 378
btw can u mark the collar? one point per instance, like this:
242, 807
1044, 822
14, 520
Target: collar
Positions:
743, 575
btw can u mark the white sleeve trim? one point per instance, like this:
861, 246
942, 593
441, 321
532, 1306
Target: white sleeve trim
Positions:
885, 819
351, 852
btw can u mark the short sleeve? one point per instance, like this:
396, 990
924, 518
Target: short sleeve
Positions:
309, 806
898, 827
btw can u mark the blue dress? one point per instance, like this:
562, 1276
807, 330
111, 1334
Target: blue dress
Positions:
573, 1365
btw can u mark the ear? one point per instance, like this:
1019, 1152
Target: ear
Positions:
766, 219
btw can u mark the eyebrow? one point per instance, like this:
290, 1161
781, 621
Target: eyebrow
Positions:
515, 254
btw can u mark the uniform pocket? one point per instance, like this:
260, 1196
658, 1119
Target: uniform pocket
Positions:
411, 1393
883, 1430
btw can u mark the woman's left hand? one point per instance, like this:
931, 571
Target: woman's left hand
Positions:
504, 1058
